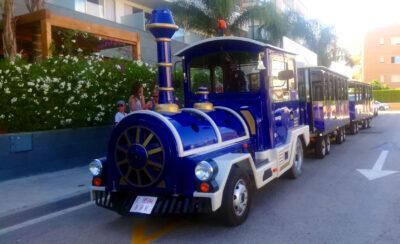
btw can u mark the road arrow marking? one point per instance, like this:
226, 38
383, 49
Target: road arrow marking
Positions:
376, 172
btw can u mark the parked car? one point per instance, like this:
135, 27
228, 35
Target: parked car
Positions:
380, 106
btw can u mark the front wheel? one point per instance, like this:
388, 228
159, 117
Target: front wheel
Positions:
237, 198
295, 171
320, 147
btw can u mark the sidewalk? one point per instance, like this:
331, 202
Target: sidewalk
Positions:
35, 191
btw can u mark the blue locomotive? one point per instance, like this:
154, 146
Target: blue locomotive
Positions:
241, 128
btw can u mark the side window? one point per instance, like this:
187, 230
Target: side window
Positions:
283, 80
352, 93
318, 89
290, 66
200, 77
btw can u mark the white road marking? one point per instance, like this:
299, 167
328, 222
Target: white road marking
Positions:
376, 172
43, 218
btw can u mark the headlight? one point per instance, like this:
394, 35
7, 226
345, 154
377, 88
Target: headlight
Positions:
96, 167
204, 171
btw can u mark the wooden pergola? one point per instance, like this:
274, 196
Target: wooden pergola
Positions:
46, 20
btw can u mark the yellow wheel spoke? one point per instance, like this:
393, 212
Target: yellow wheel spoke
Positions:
128, 173
137, 135
122, 149
148, 139
148, 174
125, 161
128, 141
138, 177
155, 151
154, 164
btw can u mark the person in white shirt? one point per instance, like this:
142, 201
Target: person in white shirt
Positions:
121, 112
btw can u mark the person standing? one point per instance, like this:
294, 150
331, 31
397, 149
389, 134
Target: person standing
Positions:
136, 100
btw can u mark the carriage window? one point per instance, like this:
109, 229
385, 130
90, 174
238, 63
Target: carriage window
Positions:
225, 72
283, 80
317, 86
352, 94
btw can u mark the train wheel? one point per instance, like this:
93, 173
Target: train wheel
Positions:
295, 171
339, 136
368, 123
237, 198
344, 134
320, 148
364, 124
328, 144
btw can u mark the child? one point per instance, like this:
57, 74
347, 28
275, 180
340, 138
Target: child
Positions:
121, 112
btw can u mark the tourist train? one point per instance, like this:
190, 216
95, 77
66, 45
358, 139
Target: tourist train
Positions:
248, 118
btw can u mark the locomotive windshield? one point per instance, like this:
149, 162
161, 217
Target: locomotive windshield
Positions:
226, 72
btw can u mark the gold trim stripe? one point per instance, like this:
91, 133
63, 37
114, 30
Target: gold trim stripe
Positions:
202, 93
165, 64
204, 106
250, 120
163, 39
167, 108
166, 89
162, 25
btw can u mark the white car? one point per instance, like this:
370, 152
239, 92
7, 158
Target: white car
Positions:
381, 106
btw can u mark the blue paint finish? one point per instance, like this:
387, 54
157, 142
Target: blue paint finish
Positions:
228, 124
194, 130
162, 26
286, 117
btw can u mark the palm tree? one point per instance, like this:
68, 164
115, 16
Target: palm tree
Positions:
202, 16
8, 37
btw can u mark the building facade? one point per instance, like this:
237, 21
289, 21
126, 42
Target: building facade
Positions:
127, 15
381, 56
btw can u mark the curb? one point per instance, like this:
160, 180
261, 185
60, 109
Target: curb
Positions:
23, 215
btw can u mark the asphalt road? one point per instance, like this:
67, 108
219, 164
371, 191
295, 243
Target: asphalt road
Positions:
331, 203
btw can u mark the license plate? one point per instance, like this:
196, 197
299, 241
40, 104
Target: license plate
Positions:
143, 204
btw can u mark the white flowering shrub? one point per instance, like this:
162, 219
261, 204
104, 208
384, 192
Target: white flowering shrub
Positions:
66, 91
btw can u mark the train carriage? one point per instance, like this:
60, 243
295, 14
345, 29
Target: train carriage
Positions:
324, 106
239, 130
361, 106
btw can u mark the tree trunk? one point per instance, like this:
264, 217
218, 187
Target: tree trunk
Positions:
8, 37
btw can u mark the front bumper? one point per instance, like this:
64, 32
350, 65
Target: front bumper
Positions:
121, 202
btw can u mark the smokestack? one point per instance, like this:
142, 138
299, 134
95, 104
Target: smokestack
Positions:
163, 27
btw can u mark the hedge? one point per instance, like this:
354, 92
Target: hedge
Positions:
66, 91
387, 96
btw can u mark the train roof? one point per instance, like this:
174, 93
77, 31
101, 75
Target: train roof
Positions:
325, 69
212, 44
359, 82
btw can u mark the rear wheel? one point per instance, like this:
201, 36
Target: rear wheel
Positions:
339, 136
354, 128
237, 198
328, 144
344, 134
295, 171
320, 147
368, 123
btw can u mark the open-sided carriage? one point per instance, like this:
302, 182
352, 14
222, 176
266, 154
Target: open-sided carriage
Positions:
324, 106
361, 106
